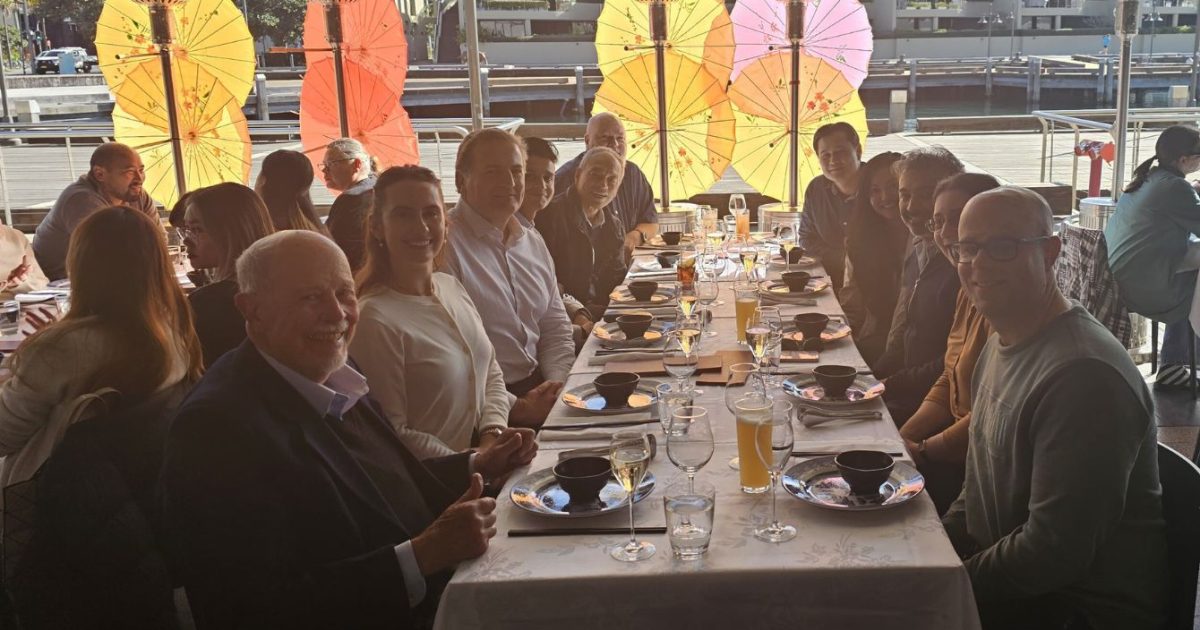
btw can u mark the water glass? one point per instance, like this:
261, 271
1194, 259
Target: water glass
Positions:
670, 398
689, 510
63, 302
10, 317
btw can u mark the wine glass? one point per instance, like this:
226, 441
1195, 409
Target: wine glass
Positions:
758, 335
770, 316
629, 454
773, 441
764, 262
690, 441
687, 300
739, 374
707, 290
789, 237
682, 351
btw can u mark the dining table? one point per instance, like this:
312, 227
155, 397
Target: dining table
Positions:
844, 569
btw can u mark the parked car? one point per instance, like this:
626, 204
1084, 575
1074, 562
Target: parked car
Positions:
48, 60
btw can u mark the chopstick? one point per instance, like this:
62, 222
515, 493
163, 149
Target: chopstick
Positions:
596, 425
582, 531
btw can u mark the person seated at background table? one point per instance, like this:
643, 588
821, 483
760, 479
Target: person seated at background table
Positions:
420, 341
634, 203
18, 264
830, 196
350, 171
540, 157
220, 222
1148, 240
129, 328
284, 183
507, 269
584, 236
1060, 516
876, 242
936, 434
916, 348
114, 178
289, 500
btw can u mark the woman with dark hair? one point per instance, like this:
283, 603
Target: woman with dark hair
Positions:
937, 432
283, 183
219, 223
420, 341
129, 328
876, 241
1147, 241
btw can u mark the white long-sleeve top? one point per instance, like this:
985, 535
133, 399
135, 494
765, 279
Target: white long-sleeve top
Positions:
430, 364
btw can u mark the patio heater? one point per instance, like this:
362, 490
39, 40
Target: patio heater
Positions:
162, 30
658, 34
795, 33
1128, 16
333, 34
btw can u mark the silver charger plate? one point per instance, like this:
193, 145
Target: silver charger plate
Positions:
804, 386
780, 291
834, 330
817, 482
539, 493
613, 337
778, 262
657, 242
661, 297
584, 398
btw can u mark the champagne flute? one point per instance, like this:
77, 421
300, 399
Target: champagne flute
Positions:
739, 374
771, 316
758, 335
681, 352
707, 290
690, 441
773, 442
789, 235
629, 454
687, 300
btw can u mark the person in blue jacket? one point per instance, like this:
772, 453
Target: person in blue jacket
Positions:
1148, 238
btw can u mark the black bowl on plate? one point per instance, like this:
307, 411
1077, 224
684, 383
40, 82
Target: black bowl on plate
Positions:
811, 325
667, 259
616, 387
865, 471
796, 281
583, 477
672, 238
634, 325
795, 255
642, 290
834, 379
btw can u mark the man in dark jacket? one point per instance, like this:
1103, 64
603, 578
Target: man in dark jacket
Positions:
288, 500
584, 236
830, 196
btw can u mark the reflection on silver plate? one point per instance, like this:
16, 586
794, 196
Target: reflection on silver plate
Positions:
778, 290
539, 492
584, 398
611, 336
805, 387
817, 481
833, 331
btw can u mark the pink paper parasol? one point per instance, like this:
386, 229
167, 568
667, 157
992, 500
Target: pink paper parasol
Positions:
837, 31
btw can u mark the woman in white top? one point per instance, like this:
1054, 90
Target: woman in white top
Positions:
129, 329
420, 341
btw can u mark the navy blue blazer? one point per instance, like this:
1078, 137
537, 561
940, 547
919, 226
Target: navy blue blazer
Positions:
273, 523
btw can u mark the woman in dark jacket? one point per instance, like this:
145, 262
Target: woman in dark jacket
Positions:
220, 222
876, 241
585, 238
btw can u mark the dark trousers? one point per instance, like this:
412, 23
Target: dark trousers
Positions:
522, 387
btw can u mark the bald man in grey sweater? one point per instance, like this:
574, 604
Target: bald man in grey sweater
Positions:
1060, 517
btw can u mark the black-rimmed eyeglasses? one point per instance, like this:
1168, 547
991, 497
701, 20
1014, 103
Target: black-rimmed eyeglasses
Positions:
998, 249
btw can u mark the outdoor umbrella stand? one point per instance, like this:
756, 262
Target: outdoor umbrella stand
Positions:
161, 31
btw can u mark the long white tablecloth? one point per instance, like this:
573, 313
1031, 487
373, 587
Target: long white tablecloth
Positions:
891, 568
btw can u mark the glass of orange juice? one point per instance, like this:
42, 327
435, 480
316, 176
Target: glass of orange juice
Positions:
745, 301
741, 213
753, 411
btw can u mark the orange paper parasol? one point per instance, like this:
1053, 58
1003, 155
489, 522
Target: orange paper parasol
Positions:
372, 37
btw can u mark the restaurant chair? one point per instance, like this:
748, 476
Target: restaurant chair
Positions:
80, 543
1180, 479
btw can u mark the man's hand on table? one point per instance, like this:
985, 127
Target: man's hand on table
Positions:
530, 410
460, 533
510, 450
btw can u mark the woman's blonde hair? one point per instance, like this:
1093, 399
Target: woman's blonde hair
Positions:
233, 216
123, 282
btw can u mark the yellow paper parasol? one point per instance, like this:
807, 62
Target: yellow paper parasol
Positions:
210, 33
213, 132
699, 121
762, 107
697, 29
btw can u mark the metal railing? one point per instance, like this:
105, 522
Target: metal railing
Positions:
1085, 119
435, 128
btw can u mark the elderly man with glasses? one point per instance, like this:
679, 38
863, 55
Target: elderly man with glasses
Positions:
349, 170
1060, 518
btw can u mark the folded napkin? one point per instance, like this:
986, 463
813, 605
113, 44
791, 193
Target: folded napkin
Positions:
627, 357
657, 311
654, 367
770, 299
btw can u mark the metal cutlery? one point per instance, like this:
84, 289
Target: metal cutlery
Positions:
597, 425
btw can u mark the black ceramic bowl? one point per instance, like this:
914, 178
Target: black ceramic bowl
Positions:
616, 387
796, 281
641, 290
634, 325
583, 477
865, 471
834, 379
667, 259
795, 255
811, 325
672, 238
